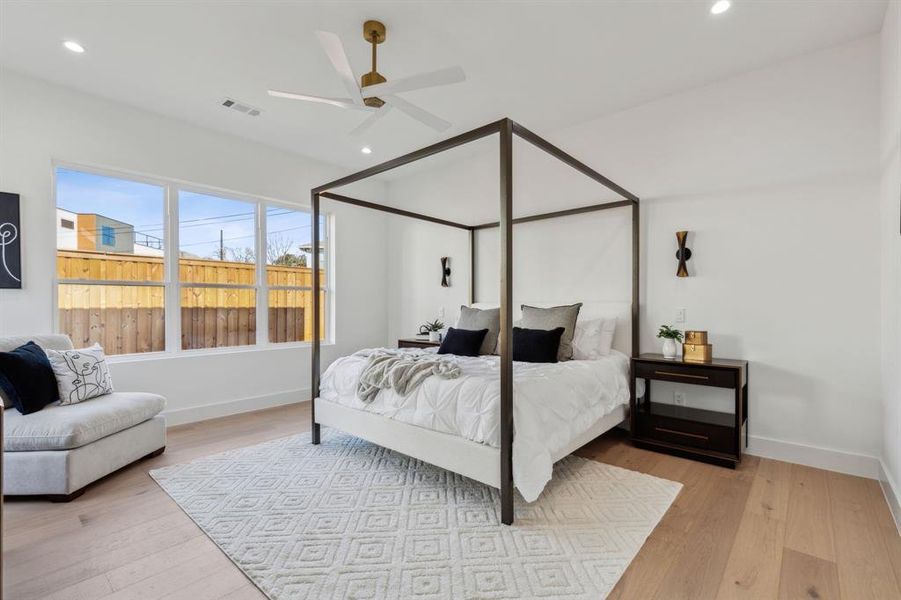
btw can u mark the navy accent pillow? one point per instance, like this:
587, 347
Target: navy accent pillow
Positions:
462, 342
27, 378
536, 345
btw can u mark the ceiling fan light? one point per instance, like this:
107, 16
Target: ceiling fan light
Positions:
720, 6
366, 150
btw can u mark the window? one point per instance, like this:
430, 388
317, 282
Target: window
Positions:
232, 255
109, 235
114, 299
217, 270
289, 274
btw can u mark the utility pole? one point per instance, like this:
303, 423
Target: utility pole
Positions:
221, 246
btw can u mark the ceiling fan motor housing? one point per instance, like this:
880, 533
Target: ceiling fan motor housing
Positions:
374, 33
368, 79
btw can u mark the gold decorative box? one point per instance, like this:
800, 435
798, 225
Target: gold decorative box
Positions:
697, 352
696, 348
696, 337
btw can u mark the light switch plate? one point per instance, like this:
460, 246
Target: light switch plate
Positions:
679, 398
680, 315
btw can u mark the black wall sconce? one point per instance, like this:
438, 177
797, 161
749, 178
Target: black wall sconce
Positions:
683, 254
445, 271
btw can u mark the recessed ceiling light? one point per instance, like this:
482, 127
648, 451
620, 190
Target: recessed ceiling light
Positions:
366, 150
720, 6
73, 46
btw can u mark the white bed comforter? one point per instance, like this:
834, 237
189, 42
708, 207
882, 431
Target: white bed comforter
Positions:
553, 404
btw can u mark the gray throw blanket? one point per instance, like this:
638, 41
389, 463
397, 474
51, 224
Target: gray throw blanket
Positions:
401, 371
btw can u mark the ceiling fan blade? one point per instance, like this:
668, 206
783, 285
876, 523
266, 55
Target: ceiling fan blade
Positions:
339, 102
334, 49
370, 120
417, 82
420, 114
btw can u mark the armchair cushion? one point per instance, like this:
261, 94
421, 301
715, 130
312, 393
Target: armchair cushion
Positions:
66, 427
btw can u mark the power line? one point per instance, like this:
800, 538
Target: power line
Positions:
197, 222
243, 237
144, 229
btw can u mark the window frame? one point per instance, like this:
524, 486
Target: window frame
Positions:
171, 283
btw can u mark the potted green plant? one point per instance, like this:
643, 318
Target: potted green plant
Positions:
433, 329
670, 335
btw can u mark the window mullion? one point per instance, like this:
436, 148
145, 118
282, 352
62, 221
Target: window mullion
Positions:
173, 291
262, 311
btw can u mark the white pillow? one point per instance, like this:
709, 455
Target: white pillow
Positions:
593, 338
80, 374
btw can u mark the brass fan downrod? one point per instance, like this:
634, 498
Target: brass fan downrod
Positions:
374, 33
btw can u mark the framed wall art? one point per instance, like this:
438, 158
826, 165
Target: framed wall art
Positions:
10, 242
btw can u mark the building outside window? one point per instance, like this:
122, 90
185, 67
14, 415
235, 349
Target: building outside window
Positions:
109, 235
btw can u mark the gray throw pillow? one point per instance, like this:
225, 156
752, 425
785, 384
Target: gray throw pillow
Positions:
80, 374
551, 318
476, 319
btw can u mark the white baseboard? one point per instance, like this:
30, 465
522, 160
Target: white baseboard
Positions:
891, 493
813, 456
191, 414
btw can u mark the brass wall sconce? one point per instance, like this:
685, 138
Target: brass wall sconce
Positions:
683, 254
445, 271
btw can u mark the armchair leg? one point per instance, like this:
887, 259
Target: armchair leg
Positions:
57, 498
155, 453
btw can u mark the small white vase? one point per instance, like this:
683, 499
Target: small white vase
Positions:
434, 336
669, 348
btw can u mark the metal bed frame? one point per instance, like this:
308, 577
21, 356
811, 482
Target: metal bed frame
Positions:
505, 129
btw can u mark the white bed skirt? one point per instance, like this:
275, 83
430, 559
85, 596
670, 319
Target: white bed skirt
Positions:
454, 453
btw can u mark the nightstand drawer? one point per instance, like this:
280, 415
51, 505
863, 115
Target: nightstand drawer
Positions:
687, 433
695, 374
417, 343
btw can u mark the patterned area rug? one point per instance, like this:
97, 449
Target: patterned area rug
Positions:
348, 519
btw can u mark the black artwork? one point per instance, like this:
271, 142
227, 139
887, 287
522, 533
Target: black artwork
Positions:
10, 242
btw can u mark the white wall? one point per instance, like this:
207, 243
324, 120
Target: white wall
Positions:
40, 123
775, 173
890, 156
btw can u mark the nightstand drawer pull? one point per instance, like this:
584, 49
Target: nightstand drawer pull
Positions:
693, 435
672, 374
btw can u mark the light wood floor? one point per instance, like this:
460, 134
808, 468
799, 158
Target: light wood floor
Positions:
766, 530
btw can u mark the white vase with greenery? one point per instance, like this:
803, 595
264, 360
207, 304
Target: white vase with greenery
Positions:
433, 329
670, 335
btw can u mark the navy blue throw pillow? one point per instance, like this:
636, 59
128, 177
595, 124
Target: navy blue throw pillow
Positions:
462, 342
536, 345
27, 378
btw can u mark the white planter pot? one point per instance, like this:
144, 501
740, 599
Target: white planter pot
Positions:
434, 336
669, 348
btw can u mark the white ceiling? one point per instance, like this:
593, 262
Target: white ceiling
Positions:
547, 65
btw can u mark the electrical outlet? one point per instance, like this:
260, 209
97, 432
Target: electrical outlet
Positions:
680, 315
441, 312
679, 398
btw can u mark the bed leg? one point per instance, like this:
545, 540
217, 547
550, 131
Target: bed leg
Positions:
507, 503
314, 433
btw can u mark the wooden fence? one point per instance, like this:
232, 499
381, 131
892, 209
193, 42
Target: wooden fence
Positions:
131, 319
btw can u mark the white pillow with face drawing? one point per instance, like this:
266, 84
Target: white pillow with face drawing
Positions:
80, 374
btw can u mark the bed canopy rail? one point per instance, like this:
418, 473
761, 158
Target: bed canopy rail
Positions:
506, 129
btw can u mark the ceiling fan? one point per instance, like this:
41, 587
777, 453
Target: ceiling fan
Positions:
376, 94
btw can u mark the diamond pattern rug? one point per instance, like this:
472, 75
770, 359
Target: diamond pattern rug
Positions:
351, 520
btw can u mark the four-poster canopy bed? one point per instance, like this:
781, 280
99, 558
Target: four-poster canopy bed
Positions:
459, 455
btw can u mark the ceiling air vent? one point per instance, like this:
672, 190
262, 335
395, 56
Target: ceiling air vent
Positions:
241, 107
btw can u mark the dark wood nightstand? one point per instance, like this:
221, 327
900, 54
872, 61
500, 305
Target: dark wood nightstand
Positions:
417, 342
710, 436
